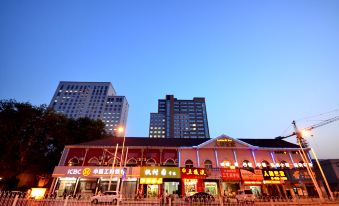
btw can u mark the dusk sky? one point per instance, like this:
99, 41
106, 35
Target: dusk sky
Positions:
259, 64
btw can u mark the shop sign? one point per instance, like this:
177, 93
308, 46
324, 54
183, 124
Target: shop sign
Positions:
299, 174
160, 172
251, 177
225, 142
230, 174
274, 176
193, 173
64, 171
150, 180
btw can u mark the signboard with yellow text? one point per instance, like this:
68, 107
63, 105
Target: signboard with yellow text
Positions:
159, 172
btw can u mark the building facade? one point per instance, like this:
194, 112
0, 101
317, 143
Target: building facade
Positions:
219, 166
330, 168
95, 100
179, 119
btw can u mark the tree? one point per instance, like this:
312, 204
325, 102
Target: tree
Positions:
33, 137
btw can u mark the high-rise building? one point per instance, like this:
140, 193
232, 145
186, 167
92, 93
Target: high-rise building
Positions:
95, 100
179, 119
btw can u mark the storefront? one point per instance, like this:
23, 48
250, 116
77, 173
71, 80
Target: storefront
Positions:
155, 181
90, 180
274, 180
230, 181
301, 183
252, 179
192, 180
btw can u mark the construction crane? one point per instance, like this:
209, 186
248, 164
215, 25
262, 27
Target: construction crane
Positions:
298, 133
303, 144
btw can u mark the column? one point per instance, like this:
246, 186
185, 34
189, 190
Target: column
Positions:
198, 158
216, 157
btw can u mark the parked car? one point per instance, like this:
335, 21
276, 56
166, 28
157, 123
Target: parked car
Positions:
245, 196
107, 196
200, 197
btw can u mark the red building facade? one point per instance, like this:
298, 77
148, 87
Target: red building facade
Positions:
219, 166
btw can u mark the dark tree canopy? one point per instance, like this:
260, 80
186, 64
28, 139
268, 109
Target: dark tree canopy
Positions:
32, 138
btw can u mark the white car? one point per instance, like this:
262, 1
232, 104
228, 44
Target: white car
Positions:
108, 196
245, 196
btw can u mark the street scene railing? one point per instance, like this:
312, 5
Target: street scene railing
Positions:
15, 198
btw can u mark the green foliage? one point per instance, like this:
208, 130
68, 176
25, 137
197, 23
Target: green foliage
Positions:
32, 138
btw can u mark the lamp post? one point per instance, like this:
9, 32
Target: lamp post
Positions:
112, 170
121, 130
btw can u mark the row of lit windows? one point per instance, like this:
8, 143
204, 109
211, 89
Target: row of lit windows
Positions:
157, 136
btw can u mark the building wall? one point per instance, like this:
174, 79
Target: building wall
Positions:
95, 100
179, 119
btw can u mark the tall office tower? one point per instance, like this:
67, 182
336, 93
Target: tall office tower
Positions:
95, 100
179, 119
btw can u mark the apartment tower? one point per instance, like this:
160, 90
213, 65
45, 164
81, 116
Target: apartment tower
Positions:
179, 119
95, 100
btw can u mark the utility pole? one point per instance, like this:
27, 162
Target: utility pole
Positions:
301, 143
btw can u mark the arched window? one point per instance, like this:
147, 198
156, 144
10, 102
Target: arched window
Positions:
246, 163
170, 162
132, 163
208, 164
265, 164
189, 163
73, 161
151, 162
93, 162
110, 162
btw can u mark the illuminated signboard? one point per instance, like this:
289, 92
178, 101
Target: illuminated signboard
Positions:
225, 142
299, 174
274, 175
249, 177
193, 173
153, 181
230, 174
64, 171
160, 172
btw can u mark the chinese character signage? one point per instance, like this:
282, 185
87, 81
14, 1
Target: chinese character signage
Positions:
255, 176
64, 171
274, 174
230, 174
225, 142
299, 174
160, 172
193, 173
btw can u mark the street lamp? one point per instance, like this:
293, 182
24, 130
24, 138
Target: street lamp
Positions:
121, 130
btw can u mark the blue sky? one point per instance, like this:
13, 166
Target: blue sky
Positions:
260, 64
